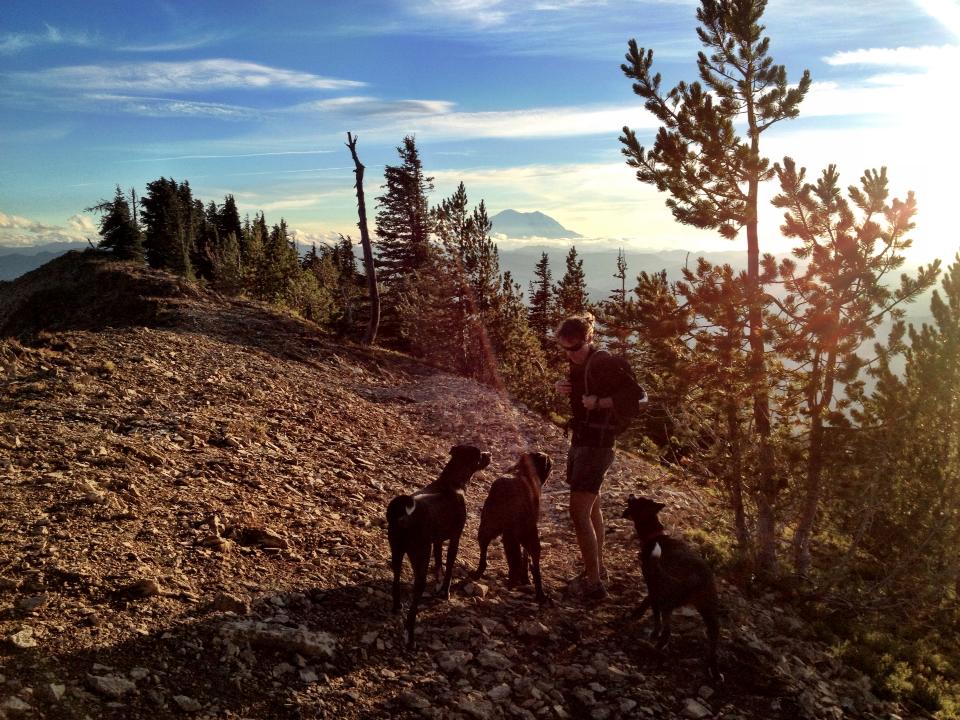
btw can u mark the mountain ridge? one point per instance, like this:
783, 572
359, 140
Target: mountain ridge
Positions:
194, 488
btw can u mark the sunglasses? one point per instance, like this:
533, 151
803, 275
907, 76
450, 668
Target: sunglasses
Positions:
573, 348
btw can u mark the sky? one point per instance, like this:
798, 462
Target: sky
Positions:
521, 100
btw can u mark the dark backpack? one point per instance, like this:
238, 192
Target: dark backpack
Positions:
629, 399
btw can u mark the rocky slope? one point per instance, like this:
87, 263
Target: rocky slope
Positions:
192, 495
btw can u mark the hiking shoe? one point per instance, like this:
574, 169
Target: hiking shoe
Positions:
578, 583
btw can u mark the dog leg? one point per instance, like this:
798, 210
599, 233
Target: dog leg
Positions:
709, 615
484, 543
396, 562
517, 571
665, 632
444, 593
421, 563
437, 564
533, 547
641, 609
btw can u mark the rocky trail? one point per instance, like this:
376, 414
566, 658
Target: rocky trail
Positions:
192, 495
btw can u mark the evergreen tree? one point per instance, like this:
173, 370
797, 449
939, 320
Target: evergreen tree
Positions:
403, 227
227, 218
571, 292
837, 301
167, 225
617, 315
542, 312
713, 175
118, 228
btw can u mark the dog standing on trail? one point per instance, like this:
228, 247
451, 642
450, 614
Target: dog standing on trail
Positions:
512, 509
428, 518
675, 576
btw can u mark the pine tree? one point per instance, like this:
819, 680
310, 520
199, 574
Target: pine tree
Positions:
542, 312
571, 292
837, 301
618, 313
167, 224
403, 227
118, 228
713, 175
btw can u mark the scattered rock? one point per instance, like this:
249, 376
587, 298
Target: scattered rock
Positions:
695, 710
279, 638
225, 602
140, 589
15, 706
187, 704
111, 685
492, 660
23, 639
453, 660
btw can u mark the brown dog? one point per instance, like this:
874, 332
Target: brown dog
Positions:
675, 576
426, 519
512, 510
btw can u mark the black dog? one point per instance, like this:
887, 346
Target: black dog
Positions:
428, 518
512, 509
675, 576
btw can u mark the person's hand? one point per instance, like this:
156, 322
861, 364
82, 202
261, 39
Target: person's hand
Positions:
590, 402
563, 387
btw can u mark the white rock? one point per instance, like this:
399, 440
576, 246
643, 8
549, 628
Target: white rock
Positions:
139, 673
493, 660
15, 705
499, 693
23, 639
187, 704
111, 685
56, 691
453, 660
695, 710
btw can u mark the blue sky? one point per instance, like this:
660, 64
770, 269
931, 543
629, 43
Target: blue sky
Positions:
522, 100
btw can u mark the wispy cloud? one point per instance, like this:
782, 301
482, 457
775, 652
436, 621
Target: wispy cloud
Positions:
187, 43
366, 106
168, 107
912, 57
236, 155
194, 76
12, 43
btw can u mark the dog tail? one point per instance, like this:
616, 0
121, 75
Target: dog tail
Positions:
400, 508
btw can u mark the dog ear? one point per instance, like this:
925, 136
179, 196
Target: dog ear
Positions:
658, 506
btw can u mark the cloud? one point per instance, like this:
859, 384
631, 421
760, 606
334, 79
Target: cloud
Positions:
164, 77
12, 43
167, 107
480, 13
353, 106
927, 56
18, 231
946, 12
177, 45
305, 238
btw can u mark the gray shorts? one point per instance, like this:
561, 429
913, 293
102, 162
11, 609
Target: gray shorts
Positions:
586, 467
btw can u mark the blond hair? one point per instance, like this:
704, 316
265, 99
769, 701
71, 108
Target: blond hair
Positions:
577, 327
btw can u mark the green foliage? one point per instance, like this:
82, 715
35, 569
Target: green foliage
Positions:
404, 224
119, 230
543, 314
571, 291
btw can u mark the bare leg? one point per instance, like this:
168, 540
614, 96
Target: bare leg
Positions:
581, 512
596, 518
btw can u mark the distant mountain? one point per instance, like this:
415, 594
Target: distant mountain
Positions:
17, 260
600, 265
516, 224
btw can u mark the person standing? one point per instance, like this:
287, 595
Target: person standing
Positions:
596, 388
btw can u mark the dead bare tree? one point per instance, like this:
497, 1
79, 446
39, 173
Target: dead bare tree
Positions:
368, 265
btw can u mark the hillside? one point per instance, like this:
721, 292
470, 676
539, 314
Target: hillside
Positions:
192, 524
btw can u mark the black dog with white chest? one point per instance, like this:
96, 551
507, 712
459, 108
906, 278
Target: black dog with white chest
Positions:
675, 576
512, 509
426, 519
